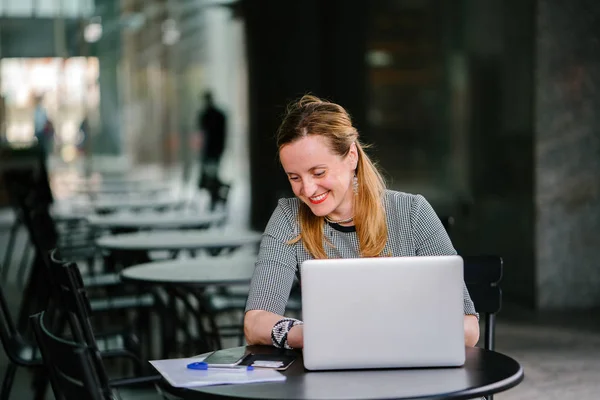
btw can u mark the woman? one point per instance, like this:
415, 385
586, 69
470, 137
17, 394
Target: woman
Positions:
341, 209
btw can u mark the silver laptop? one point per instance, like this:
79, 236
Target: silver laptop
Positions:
387, 312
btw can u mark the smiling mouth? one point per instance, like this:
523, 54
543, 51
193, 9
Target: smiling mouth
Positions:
319, 199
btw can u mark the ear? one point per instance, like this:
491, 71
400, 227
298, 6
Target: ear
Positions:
353, 156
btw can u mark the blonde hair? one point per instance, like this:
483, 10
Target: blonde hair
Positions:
313, 116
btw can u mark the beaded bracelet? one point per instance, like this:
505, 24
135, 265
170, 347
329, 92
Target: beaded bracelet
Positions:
280, 331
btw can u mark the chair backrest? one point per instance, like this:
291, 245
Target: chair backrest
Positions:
12, 340
72, 299
33, 207
34, 213
30, 177
40, 227
69, 365
75, 304
482, 276
38, 280
43, 236
447, 222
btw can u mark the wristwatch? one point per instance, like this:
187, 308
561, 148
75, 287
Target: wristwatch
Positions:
280, 331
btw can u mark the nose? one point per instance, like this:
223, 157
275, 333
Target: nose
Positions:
308, 187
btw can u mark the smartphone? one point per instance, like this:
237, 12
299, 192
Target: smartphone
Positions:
279, 362
226, 358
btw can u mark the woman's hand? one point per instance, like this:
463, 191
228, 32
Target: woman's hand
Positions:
258, 325
295, 337
471, 325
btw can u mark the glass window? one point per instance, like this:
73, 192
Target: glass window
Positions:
70, 8
18, 8
46, 8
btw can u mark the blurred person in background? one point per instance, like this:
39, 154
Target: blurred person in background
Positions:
83, 136
2, 119
43, 127
212, 124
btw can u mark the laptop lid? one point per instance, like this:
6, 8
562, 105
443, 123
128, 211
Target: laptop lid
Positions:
386, 312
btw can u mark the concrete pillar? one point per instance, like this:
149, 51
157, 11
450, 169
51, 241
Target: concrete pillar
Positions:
108, 140
567, 154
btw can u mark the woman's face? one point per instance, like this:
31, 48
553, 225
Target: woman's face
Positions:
320, 178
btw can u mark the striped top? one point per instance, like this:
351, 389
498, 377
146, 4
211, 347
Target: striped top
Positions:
414, 229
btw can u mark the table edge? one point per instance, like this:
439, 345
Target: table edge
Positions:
134, 224
159, 247
181, 284
496, 387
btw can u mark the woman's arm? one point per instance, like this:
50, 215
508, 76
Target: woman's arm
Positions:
471, 330
259, 323
273, 277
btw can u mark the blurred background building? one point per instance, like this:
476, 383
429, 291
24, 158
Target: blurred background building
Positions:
487, 107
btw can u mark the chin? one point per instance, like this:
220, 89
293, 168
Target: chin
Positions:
318, 210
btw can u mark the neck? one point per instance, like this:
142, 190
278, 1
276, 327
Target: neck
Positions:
344, 213
340, 221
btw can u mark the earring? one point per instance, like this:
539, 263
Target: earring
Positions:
355, 184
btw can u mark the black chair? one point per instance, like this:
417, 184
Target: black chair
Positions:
447, 222
20, 352
482, 276
76, 307
75, 304
13, 232
112, 296
27, 194
23, 352
41, 289
29, 175
69, 364
219, 191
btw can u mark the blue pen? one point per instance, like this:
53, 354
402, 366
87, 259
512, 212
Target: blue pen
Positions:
202, 366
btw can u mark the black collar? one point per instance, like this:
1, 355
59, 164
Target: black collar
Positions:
341, 228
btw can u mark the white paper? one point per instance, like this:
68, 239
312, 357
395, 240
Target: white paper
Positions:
176, 372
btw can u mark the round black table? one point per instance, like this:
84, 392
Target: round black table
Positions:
179, 240
111, 204
485, 372
7, 218
193, 273
182, 278
135, 248
148, 189
168, 220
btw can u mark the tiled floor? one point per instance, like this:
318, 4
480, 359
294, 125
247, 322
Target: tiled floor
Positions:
560, 353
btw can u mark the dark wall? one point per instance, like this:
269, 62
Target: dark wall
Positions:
294, 48
499, 46
532, 148
535, 147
